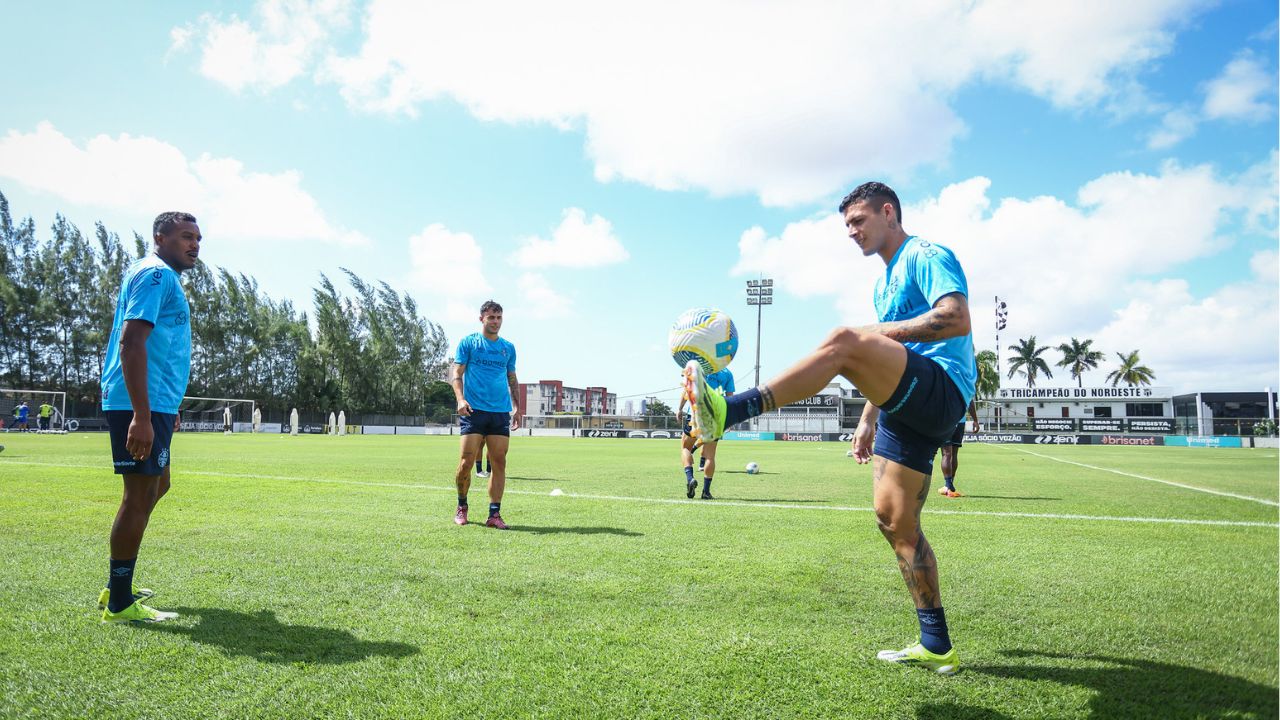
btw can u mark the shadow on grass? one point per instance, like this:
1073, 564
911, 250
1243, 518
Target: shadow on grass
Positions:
952, 711
1009, 497
1130, 688
788, 501
264, 638
531, 479
548, 530
744, 472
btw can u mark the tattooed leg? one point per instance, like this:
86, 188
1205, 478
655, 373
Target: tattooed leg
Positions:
871, 361
900, 493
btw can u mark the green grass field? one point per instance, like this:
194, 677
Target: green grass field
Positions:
323, 577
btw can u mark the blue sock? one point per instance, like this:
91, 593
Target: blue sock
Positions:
742, 406
933, 630
688, 474
706, 485
950, 481
488, 467
494, 508
120, 581
462, 501
477, 466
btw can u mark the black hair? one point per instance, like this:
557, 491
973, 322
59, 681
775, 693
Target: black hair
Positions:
490, 305
875, 193
166, 221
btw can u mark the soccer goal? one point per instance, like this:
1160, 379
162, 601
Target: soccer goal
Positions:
46, 410
202, 414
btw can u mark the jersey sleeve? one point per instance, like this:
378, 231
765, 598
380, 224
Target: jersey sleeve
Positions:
728, 383
511, 359
938, 273
463, 354
147, 292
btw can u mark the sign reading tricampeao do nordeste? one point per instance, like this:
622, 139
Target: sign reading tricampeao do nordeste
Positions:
1088, 393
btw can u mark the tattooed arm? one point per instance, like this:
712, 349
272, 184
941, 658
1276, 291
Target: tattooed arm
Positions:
948, 318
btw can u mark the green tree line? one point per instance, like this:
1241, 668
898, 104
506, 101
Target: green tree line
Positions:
368, 351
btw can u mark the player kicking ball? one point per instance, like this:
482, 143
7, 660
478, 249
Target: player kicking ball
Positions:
916, 369
722, 381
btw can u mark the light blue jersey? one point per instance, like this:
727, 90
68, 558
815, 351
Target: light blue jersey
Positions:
919, 274
484, 386
723, 379
151, 292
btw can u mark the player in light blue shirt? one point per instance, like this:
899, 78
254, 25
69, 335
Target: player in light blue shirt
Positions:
916, 369
486, 388
143, 380
721, 380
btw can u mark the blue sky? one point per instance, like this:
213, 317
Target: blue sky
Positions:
1109, 171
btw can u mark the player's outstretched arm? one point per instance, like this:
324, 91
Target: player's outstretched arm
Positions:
948, 318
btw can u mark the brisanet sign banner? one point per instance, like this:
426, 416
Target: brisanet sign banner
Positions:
1089, 393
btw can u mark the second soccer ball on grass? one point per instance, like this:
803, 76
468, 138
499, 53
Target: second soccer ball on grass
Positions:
752, 468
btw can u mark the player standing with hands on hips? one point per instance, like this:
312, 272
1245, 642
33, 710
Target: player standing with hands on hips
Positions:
915, 367
143, 380
485, 386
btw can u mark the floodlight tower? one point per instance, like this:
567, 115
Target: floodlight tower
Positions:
759, 293
1002, 319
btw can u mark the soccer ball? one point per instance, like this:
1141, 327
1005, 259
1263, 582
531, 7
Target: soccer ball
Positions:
707, 335
752, 468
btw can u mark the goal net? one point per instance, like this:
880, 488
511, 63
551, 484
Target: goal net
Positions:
201, 414
46, 410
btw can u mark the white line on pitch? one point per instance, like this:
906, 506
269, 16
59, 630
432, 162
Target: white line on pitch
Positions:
717, 503
1223, 493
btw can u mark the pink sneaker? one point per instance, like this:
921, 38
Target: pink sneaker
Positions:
461, 516
495, 521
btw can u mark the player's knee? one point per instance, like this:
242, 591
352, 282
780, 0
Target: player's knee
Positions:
844, 343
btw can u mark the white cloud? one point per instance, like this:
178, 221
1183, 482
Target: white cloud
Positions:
1088, 268
143, 176
575, 243
282, 45
1177, 125
1244, 91
540, 300
786, 101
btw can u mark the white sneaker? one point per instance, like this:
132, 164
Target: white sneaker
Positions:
482, 474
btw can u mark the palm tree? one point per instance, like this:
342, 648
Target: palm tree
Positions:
1026, 361
988, 377
1130, 372
1079, 356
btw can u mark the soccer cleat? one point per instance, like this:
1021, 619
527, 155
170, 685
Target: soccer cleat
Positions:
495, 521
707, 404
480, 474
951, 493
691, 487
460, 517
706, 495
138, 594
947, 664
137, 612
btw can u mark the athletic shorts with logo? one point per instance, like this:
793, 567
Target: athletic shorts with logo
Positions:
957, 436
483, 422
920, 416
161, 423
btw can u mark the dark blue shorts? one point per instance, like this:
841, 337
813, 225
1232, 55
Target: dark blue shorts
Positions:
161, 423
483, 422
921, 414
957, 435
688, 428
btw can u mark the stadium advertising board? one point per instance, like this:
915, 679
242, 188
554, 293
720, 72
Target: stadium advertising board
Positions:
1053, 424
1102, 425
1211, 441
1151, 425
199, 426
605, 433
998, 438
747, 435
1089, 393
801, 437
1029, 439
816, 401
1131, 440
1061, 440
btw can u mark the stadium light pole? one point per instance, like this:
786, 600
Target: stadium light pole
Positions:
759, 293
1002, 319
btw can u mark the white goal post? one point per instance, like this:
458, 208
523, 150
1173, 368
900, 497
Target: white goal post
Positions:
203, 414
11, 398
